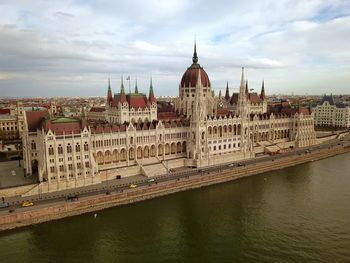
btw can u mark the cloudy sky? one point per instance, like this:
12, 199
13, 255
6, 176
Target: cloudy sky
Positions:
70, 48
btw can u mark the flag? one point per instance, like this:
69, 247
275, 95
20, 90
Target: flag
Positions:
128, 78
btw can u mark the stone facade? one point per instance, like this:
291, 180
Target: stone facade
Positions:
60, 159
69, 152
12, 125
255, 103
328, 113
131, 107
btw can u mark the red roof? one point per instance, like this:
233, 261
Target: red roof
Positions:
97, 109
222, 112
46, 106
137, 100
254, 98
290, 111
65, 128
34, 119
167, 116
5, 111
190, 77
304, 111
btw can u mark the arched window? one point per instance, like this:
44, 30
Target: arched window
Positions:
33, 145
69, 148
131, 154
86, 146
51, 151
60, 149
77, 147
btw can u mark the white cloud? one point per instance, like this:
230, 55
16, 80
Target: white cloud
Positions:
58, 45
143, 45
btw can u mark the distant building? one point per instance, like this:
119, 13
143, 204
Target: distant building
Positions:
11, 125
97, 114
332, 114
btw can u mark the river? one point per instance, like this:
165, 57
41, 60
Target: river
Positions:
298, 214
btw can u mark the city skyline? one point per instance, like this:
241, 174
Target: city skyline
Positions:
70, 48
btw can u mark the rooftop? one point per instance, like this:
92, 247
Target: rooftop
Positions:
64, 120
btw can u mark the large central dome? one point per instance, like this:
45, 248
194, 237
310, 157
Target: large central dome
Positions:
190, 77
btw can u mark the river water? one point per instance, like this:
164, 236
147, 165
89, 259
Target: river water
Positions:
298, 214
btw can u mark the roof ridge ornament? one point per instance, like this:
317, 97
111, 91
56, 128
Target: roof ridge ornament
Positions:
136, 88
195, 56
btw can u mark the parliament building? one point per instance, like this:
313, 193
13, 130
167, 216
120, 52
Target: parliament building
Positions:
129, 136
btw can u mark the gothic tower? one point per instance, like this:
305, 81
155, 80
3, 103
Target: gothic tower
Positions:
243, 112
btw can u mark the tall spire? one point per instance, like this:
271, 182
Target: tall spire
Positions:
246, 88
151, 97
198, 110
195, 57
109, 93
227, 93
262, 94
122, 97
242, 96
242, 86
136, 88
122, 90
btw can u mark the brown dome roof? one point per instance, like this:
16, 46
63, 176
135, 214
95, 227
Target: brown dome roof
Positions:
190, 77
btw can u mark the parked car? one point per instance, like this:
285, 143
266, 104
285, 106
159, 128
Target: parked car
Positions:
151, 180
4, 205
72, 197
26, 204
133, 186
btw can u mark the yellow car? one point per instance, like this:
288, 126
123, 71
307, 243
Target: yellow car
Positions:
133, 186
26, 204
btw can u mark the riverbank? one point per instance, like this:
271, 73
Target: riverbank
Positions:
99, 202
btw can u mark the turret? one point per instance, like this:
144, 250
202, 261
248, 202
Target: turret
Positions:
242, 96
109, 93
246, 88
262, 94
227, 93
151, 97
136, 88
122, 97
195, 57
